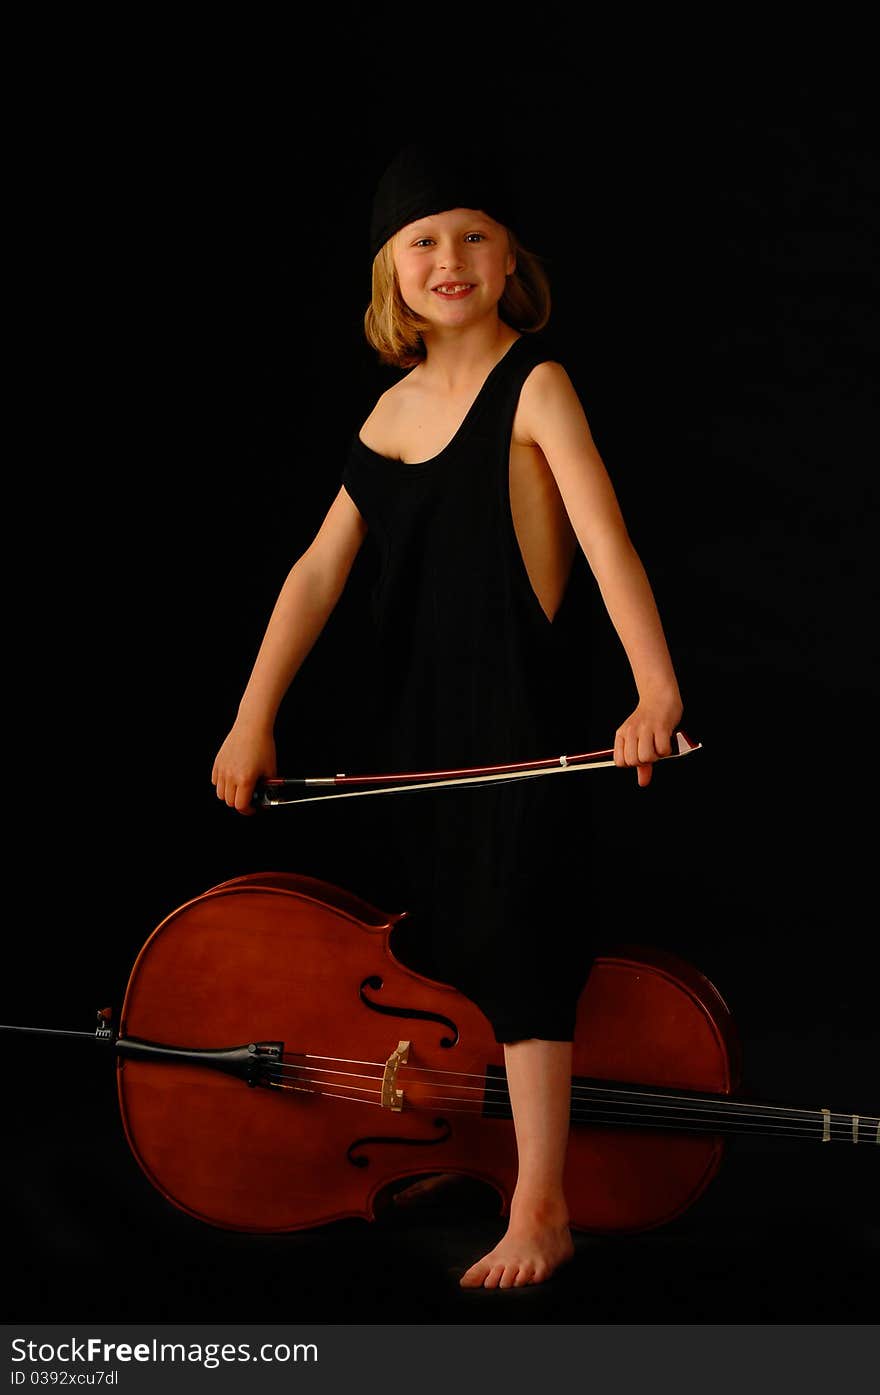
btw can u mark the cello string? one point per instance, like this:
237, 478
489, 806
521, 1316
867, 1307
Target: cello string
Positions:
317, 1070
721, 1100
344, 1060
684, 1120
642, 1114
327, 1094
588, 1117
412, 1071
616, 1117
310, 1085
729, 1108
635, 1116
373, 1096
325, 1070
688, 1124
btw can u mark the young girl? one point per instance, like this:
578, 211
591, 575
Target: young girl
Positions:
476, 477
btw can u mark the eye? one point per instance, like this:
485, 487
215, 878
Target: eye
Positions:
479, 236
422, 241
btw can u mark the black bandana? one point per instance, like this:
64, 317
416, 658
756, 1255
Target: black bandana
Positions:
423, 179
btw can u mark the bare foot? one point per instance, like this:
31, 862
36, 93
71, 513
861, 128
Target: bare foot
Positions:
529, 1253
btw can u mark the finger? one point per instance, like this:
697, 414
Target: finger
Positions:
663, 743
646, 749
244, 797
631, 750
644, 773
619, 749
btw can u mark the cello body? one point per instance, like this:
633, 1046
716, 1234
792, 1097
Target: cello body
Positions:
290, 960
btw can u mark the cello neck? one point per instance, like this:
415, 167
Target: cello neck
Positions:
605, 1104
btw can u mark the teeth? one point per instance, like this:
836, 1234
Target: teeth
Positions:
451, 290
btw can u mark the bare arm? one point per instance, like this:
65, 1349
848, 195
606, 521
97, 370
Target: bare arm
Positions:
306, 600
552, 414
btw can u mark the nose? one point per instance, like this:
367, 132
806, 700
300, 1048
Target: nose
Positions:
449, 254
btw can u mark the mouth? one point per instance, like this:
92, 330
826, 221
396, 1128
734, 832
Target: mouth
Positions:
453, 290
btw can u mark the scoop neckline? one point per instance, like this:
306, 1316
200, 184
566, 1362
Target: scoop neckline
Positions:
460, 429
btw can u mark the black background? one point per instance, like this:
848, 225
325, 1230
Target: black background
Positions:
187, 285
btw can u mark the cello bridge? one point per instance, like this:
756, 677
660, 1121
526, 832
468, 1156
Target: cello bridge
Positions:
391, 1096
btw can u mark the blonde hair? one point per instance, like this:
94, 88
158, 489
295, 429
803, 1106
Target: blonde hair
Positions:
395, 332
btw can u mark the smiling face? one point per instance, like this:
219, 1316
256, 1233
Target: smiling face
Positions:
452, 266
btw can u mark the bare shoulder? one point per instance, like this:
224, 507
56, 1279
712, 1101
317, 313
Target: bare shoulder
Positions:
378, 430
550, 410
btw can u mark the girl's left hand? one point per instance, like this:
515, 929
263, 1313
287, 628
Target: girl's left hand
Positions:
645, 736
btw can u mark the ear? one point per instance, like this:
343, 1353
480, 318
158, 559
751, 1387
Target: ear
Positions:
511, 254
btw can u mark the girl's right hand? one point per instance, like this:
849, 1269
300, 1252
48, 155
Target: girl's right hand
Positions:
246, 756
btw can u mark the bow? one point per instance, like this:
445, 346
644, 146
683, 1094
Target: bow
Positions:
275, 791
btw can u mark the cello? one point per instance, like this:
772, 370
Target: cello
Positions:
363, 1072
279, 1068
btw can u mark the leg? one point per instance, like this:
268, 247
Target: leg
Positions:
538, 1238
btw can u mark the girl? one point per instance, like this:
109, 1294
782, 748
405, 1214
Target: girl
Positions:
476, 477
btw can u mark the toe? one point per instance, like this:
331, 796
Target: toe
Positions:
473, 1277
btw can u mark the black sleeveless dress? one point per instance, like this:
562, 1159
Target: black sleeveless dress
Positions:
470, 673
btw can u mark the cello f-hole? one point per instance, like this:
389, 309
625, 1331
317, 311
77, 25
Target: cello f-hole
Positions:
361, 1161
392, 1010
